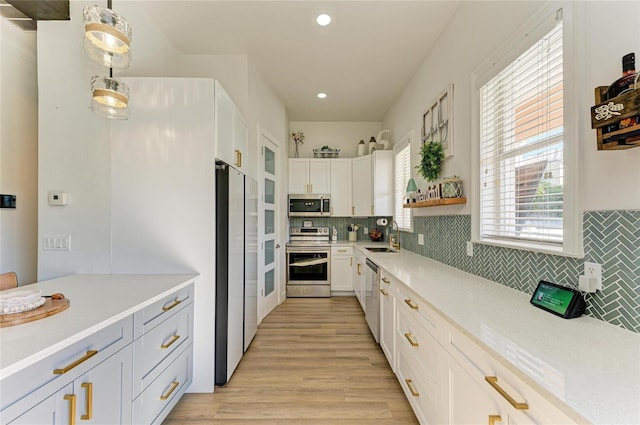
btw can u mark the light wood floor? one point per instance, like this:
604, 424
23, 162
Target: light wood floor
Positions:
312, 362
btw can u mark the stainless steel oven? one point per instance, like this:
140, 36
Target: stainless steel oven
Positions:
308, 262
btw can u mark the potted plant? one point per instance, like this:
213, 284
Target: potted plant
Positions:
431, 156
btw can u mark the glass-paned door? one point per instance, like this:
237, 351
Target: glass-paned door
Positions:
268, 227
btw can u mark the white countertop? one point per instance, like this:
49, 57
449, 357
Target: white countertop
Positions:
582, 365
96, 301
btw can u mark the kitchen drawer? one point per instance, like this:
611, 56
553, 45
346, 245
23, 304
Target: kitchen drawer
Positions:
162, 394
417, 309
65, 365
342, 250
421, 391
388, 282
414, 337
152, 315
480, 365
154, 346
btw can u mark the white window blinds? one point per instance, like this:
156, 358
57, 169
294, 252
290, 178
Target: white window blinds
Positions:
521, 147
402, 170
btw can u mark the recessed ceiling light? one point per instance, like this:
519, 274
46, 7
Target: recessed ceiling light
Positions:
321, 95
323, 20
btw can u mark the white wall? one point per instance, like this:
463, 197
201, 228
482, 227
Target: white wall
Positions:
337, 135
460, 50
18, 151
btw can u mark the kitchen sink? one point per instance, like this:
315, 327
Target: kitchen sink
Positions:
381, 249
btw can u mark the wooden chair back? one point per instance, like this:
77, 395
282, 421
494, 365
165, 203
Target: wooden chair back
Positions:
8, 280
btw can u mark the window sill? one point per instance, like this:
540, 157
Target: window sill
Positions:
528, 246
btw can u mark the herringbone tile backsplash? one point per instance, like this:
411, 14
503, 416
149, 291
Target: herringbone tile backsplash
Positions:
611, 238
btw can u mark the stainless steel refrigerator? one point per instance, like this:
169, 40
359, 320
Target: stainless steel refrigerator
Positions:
236, 268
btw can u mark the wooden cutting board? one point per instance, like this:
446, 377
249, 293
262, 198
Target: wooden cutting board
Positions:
49, 308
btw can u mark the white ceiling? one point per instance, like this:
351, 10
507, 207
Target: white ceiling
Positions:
363, 59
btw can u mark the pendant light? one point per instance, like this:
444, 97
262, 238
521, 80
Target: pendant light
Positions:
107, 37
107, 41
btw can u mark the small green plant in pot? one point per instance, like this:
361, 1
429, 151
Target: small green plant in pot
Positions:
431, 156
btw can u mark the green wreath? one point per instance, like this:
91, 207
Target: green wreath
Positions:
431, 156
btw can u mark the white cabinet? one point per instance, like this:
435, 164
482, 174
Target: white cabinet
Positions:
359, 278
309, 176
388, 317
232, 135
341, 191
372, 184
341, 268
52, 410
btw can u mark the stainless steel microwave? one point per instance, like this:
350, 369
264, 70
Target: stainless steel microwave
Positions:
309, 205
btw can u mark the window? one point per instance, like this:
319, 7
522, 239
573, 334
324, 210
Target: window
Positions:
402, 171
523, 146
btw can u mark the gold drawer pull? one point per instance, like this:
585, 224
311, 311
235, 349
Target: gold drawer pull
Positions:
168, 344
174, 385
72, 408
88, 387
170, 306
413, 390
384, 292
411, 304
412, 341
90, 353
359, 273
494, 418
493, 381
385, 280
342, 250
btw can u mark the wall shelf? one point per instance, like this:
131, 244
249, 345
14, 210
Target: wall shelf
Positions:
606, 117
436, 202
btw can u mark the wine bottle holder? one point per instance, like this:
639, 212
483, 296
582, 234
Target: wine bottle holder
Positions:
616, 120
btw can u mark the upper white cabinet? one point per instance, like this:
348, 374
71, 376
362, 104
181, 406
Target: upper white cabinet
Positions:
309, 176
372, 184
341, 193
232, 135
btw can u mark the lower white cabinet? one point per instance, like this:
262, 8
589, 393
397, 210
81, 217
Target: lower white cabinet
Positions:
358, 278
341, 268
110, 377
388, 317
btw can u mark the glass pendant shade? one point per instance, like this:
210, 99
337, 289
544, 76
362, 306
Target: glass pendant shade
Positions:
107, 37
110, 98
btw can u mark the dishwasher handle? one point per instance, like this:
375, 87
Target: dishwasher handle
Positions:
373, 266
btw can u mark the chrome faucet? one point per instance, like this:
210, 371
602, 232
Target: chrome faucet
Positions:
393, 243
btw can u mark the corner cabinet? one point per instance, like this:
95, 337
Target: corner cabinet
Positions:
373, 185
232, 134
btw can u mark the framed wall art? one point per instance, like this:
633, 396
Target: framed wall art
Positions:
437, 121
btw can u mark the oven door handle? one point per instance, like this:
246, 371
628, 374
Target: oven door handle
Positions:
313, 262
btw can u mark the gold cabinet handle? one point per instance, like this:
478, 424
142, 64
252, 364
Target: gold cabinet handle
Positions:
72, 408
170, 306
310, 188
494, 418
359, 273
174, 385
173, 339
90, 353
350, 261
493, 381
342, 250
371, 209
88, 387
238, 158
413, 390
331, 210
411, 303
411, 339
353, 210
384, 292
385, 280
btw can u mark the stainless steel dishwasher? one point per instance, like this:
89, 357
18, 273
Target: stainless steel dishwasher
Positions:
372, 298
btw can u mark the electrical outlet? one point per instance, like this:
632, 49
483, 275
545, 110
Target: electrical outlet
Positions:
420, 239
366, 230
594, 271
470, 248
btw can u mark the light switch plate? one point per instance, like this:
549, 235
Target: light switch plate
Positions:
57, 243
470, 248
420, 239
